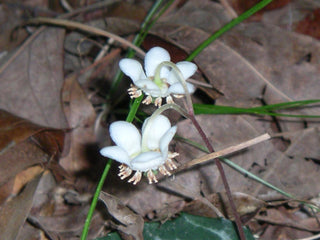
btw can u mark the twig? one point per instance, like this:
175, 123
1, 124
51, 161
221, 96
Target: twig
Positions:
85, 28
198, 83
228, 150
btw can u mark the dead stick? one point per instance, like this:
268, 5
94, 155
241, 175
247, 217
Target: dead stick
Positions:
85, 28
227, 151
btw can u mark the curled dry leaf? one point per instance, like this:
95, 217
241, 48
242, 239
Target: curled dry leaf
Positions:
24, 144
131, 223
247, 206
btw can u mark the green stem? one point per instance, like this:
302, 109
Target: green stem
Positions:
95, 201
254, 177
134, 109
227, 27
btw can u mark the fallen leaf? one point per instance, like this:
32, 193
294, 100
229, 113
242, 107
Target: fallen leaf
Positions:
81, 118
23, 144
287, 218
14, 213
131, 223
247, 206
31, 80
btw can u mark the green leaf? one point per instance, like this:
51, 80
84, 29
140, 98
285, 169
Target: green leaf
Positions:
263, 110
190, 227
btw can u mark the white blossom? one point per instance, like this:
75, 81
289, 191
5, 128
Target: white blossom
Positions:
144, 153
147, 82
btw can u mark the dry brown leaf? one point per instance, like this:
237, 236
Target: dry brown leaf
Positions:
293, 170
10, 38
127, 10
67, 225
81, 117
24, 144
14, 212
32, 79
289, 218
247, 206
131, 223
24, 177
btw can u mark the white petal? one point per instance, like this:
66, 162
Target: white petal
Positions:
178, 89
186, 68
153, 131
165, 140
132, 68
146, 161
116, 153
126, 136
153, 58
149, 87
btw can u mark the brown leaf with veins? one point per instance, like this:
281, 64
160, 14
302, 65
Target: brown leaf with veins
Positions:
131, 223
24, 144
247, 206
31, 80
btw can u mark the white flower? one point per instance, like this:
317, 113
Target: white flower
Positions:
157, 88
142, 153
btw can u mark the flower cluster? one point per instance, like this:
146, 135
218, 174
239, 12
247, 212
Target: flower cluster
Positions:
144, 153
149, 151
157, 86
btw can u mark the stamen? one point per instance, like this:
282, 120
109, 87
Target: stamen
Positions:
134, 92
158, 102
171, 164
125, 172
151, 177
136, 178
164, 171
147, 100
169, 100
172, 155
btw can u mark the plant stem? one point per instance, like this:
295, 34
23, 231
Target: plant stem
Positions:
95, 201
222, 174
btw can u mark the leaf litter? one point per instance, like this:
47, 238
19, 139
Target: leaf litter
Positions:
50, 163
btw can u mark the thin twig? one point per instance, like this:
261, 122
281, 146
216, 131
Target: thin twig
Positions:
227, 151
85, 28
198, 83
